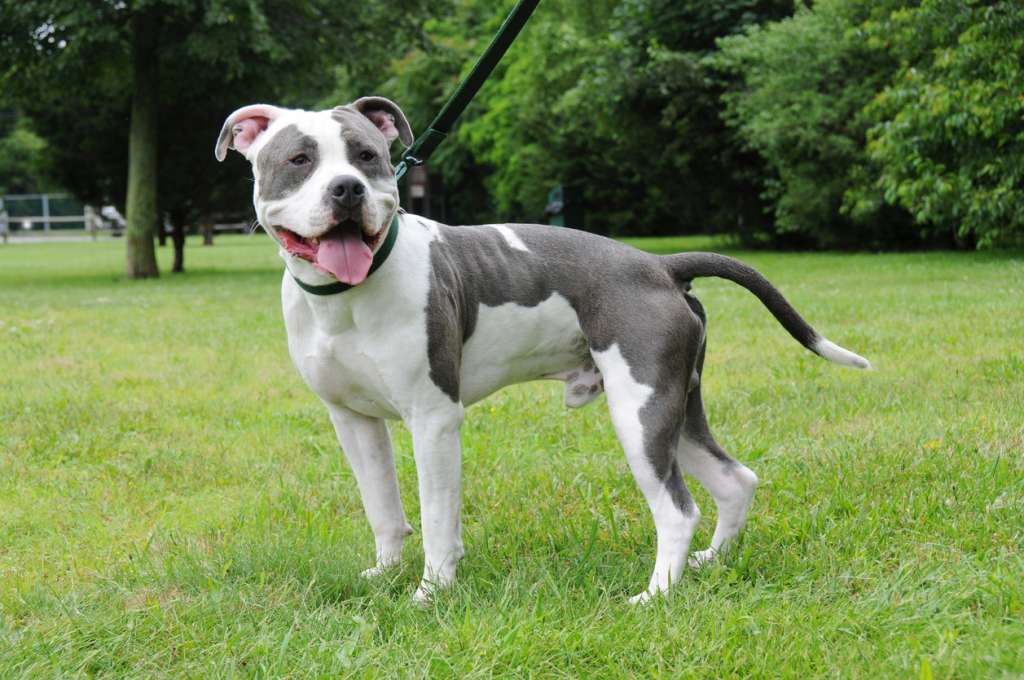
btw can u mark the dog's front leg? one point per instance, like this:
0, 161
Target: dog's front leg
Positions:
438, 454
367, 447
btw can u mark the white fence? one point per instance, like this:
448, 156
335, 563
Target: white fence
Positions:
26, 213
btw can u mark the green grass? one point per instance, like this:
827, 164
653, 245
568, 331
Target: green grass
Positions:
173, 502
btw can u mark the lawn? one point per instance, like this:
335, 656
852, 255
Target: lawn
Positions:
173, 502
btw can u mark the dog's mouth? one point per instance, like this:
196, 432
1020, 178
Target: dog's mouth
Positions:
345, 251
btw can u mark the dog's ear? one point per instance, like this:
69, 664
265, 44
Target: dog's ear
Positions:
386, 115
242, 128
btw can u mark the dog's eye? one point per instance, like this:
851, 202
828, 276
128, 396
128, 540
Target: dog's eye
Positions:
367, 156
301, 159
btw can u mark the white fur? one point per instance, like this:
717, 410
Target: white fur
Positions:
833, 352
626, 397
732, 487
511, 238
367, 446
335, 342
512, 343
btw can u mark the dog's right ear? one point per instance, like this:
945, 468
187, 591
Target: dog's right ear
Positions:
243, 127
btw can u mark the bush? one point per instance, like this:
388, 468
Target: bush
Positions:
948, 130
803, 84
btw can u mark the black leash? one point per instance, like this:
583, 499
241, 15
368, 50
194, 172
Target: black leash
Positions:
420, 151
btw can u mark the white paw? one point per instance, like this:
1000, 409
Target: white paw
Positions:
422, 596
701, 558
379, 570
642, 598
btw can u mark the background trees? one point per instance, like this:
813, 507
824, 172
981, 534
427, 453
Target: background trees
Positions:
886, 122
847, 123
948, 129
130, 96
835, 123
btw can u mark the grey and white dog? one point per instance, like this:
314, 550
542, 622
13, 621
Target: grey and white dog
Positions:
455, 313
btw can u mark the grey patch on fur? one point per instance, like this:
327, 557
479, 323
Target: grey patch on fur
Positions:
278, 177
359, 135
622, 296
695, 425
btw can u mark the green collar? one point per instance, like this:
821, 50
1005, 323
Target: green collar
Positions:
378, 259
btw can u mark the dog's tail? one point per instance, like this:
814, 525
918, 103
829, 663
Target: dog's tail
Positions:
688, 266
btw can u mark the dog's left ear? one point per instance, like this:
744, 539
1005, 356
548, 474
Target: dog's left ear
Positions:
386, 115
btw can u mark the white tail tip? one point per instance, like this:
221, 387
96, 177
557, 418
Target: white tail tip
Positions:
833, 352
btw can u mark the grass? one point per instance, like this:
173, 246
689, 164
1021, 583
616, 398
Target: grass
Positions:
173, 502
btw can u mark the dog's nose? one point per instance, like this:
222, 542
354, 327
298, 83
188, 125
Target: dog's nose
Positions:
346, 191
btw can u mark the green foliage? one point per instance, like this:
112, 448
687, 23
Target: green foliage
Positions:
610, 96
69, 66
849, 124
885, 124
804, 83
23, 157
949, 129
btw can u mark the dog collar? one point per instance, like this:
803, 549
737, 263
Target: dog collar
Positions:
378, 259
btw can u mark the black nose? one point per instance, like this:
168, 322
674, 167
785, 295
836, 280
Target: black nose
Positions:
346, 191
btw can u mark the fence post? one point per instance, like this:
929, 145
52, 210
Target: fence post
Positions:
91, 218
46, 212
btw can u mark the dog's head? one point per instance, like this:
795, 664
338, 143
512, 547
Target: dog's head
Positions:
324, 184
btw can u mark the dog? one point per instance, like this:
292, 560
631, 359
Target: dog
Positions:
394, 316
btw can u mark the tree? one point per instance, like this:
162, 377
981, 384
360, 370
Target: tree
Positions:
948, 131
22, 158
141, 210
609, 95
802, 86
93, 67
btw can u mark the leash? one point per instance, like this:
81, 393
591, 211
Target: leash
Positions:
424, 146
420, 151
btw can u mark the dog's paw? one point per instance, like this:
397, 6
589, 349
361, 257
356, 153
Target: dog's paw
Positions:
701, 558
642, 598
422, 596
379, 570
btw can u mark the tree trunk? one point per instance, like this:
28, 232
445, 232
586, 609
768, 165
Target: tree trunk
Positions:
178, 237
207, 230
142, 148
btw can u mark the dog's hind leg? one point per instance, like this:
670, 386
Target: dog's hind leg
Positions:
647, 422
367, 447
730, 483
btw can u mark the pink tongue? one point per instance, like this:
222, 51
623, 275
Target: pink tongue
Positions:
346, 257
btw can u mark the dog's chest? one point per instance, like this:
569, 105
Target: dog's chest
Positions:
358, 361
343, 370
